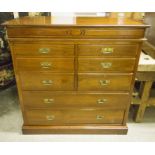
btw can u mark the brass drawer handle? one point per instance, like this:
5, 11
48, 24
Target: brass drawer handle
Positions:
107, 50
45, 65
44, 50
99, 117
106, 64
48, 101
47, 82
104, 82
50, 117
101, 101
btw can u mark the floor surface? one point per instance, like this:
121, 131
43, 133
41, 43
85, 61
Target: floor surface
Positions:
11, 122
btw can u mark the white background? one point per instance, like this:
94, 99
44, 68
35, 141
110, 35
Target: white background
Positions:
65, 148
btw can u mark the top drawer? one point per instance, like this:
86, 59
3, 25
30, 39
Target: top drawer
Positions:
108, 50
53, 32
42, 49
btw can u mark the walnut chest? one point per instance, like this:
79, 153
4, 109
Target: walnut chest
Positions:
75, 77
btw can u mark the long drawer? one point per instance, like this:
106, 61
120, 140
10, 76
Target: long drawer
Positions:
106, 64
107, 33
45, 64
47, 99
108, 50
43, 48
74, 116
46, 81
105, 82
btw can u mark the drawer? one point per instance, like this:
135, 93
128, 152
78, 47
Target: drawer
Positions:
42, 49
106, 64
46, 81
73, 116
105, 82
47, 99
44, 32
115, 33
37, 31
45, 64
108, 50
107, 33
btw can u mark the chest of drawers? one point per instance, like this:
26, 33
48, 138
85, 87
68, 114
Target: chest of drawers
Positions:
75, 78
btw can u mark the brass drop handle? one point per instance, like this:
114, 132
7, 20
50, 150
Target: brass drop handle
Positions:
104, 82
107, 50
44, 50
50, 117
47, 82
106, 64
99, 117
45, 65
101, 101
48, 100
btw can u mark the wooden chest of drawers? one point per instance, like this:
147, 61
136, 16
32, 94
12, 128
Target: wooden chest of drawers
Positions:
75, 78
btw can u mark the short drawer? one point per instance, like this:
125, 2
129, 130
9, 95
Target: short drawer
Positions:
42, 49
108, 50
47, 99
105, 82
52, 32
106, 64
45, 64
37, 32
73, 116
46, 81
109, 33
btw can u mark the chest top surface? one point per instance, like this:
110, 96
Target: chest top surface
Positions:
74, 21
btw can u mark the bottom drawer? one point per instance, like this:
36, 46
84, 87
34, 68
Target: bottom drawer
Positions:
47, 99
74, 116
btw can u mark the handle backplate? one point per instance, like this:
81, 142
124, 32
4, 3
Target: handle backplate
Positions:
50, 117
101, 101
48, 100
107, 50
44, 50
47, 82
104, 82
106, 64
45, 65
99, 117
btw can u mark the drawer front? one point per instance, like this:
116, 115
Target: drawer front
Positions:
106, 64
42, 32
105, 82
46, 81
45, 64
74, 116
108, 33
42, 49
46, 99
108, 50
36, 32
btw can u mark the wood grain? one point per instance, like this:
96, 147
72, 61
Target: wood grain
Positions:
118, 50
102, 65
59, 81
46, 64
32, 49
36, 99
75, 129
117, 82
107, 33
74, 116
